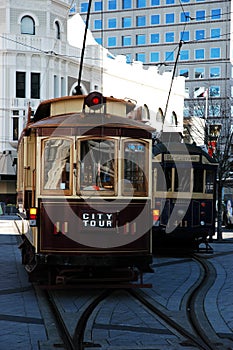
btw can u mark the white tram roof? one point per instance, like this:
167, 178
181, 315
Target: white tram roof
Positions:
76, 104
71, 111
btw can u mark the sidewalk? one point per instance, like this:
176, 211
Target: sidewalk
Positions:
226, 234
21, 324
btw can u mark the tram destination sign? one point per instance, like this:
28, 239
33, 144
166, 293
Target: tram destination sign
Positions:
181, 158
100, 220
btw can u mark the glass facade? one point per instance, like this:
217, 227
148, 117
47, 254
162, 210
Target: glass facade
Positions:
150, 31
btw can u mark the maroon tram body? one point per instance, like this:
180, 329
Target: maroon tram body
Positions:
84, 183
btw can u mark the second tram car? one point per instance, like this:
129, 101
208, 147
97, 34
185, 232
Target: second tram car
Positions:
84, 182
183, 197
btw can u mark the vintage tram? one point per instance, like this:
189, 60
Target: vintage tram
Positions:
84, 184
183, 197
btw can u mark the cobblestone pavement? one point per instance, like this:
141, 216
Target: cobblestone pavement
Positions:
21, 315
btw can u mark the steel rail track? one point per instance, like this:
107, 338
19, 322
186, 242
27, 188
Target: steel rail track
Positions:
199, 334
198, 319
60, 324
76, 341
78, 338
204, 337
191, 338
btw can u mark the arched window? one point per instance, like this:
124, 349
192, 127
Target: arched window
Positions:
27, 25
145, 113
159, 116
58, 30
174, 120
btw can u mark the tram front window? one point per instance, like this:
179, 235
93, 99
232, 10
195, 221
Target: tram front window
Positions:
56, 164
164, 179
198, 175
97, 165
182, 180
135, 165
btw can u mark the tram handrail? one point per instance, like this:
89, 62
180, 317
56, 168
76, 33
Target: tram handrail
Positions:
22, 216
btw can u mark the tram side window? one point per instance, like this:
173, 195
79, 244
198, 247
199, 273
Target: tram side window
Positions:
97, 165
209, 183
135, 168
182, 180
164, 179
56, 164
198, 176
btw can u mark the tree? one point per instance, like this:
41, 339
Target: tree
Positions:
218, 138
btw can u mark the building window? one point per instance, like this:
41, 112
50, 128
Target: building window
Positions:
141, 3
84, 7
126, 22
99, 41
112, 23
140, 21
214, 72
98, 5
155, 19
184, 55
58, 30
215, 52
112, 41
15, 129
35, 85
169, 37
140, 39
199, 54
27, 25
199, 73
199, 111
200, 91
214, 110
184, 36
169, 56
97, 24
154, 38
126, 4
214, 91
200, 15
20, 84
55, 86
126, 40
63, 87
168, 2
112, 4
155, 2
216, 14
215, 33
154, 57
184, 17
141, 57
169, 18
200, 34
184, 73
128, 58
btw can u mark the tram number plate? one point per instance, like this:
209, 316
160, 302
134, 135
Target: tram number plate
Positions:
100, 220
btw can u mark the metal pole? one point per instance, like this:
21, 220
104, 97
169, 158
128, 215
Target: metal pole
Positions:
78, 88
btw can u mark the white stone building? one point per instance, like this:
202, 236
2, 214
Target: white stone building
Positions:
40, 50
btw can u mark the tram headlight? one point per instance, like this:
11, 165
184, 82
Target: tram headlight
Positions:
94, 100
202, 223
